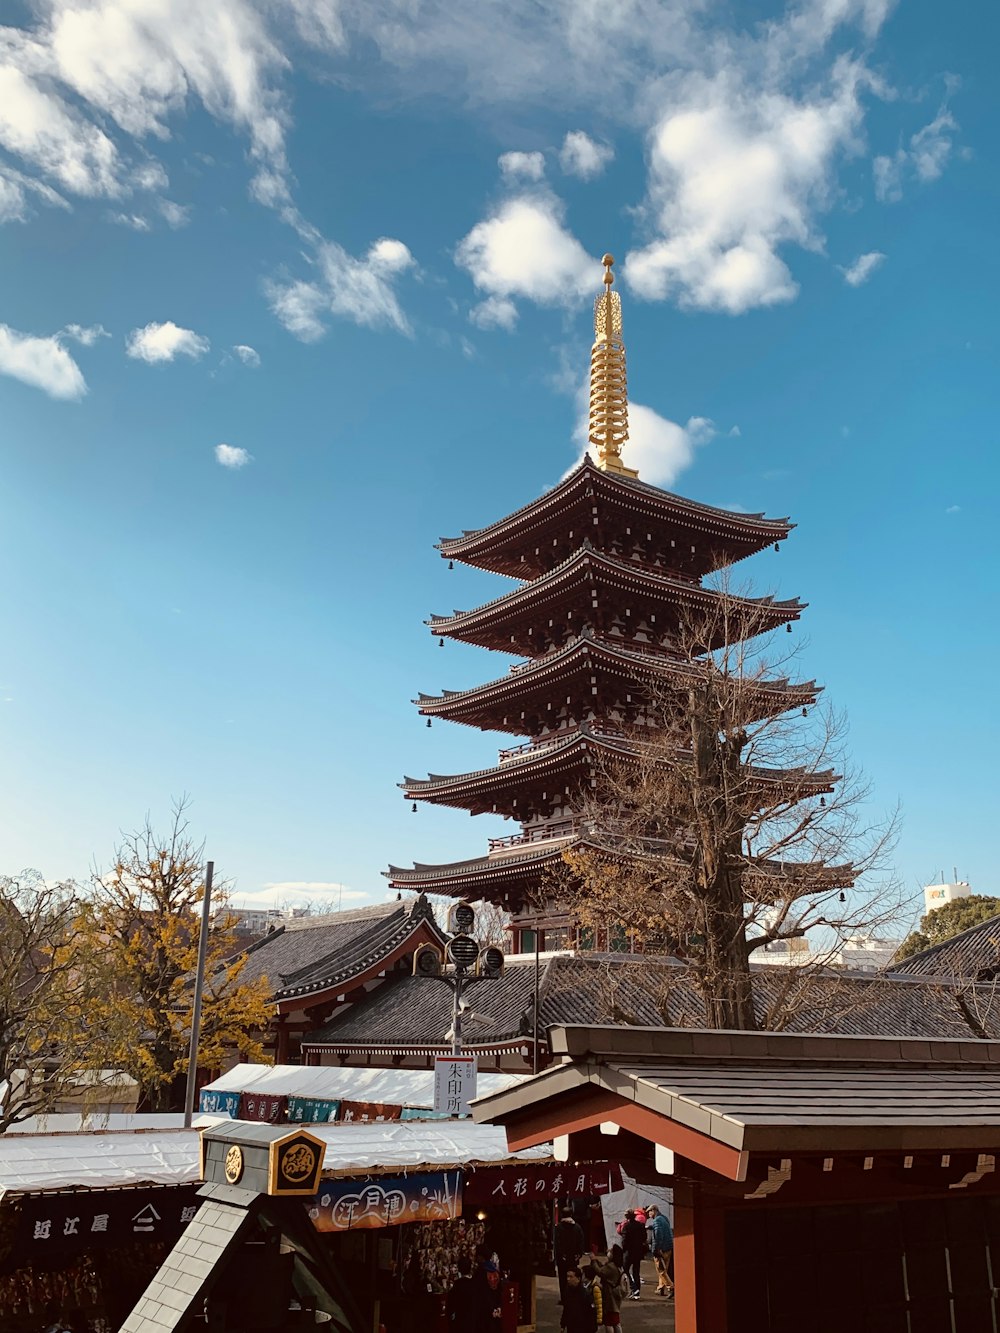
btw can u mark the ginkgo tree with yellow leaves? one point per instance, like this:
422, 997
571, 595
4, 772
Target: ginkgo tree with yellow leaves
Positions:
137, 931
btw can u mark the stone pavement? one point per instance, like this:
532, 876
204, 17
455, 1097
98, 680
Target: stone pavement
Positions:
651, 1314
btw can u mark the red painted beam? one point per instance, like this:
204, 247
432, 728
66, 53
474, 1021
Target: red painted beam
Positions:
574, 1112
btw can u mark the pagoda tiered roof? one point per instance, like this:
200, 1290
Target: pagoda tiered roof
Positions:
591, 584
521, 702
694, 538
537, 776
513, 871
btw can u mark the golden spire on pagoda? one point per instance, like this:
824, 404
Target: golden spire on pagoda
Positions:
608, 386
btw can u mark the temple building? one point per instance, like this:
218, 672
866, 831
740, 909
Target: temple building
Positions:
610, 571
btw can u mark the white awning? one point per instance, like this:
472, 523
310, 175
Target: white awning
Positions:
397, 1087
34, 1163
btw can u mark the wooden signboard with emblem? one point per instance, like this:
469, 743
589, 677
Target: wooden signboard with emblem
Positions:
277, 1160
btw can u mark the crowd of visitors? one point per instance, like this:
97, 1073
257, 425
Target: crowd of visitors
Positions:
591, 1290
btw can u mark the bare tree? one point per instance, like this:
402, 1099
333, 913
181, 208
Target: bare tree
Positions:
43, 998
725, 818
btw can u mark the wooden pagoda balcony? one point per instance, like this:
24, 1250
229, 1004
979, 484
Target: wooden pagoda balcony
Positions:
555, 832
528, 749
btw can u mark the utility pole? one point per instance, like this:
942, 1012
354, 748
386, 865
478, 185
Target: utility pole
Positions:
199, 986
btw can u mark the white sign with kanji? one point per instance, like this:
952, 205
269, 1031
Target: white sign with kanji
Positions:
454, 1083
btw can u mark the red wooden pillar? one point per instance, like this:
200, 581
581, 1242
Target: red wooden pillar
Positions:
699, 1261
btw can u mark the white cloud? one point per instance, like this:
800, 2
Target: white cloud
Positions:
863, 267
583, 156
496, 312
43, 363
175, 215
659, 449
524, 250
931, 147
134, 220
247, 355
925, 157
86, 335
736, 173
164, 342
231, 455
13, 205
319, 895
87, 71
361, 290
522, 166
953, 509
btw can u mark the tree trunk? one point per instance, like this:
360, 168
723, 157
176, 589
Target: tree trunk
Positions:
727, 979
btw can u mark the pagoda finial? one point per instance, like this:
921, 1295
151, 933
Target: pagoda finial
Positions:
608, 386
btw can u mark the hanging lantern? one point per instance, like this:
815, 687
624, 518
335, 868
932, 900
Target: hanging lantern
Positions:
413, 808
843, 896
822, 801
428, 721
789, 627
451, 564
441, 641
805, 712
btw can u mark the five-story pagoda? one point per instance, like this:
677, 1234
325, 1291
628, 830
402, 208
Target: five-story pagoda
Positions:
609, 570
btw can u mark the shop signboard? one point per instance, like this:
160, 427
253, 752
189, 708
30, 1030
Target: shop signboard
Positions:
263, 1107
454, 1083
369, 1112
312, 1110
544, 1180
349, 1205
56, 1223
219, 1103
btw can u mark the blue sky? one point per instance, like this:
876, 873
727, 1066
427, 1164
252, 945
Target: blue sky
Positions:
290, 290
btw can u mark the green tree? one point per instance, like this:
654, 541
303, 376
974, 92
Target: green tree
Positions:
944, 923
138, 931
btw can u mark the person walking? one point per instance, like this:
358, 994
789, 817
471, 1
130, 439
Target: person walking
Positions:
661, 1242
569, 1245
611, 1275
634, 1248
578, 1312
465, 1300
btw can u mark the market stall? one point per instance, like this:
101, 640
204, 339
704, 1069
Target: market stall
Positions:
85, 1220
317, 1094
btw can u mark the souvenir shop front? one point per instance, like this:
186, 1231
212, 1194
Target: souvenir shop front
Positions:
85, 1220
403, 1239
85, 1257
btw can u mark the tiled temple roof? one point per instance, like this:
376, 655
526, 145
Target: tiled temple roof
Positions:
974, 955
415, 1012
497, 546
488, 623
315, 953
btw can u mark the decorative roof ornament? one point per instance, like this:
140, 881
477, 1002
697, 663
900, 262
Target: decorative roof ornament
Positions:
608, 386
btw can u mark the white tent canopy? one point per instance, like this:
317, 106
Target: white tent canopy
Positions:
396, 1087
31, 1164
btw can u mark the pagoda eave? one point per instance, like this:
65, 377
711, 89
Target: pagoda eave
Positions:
517, 544
569, 673
513, 622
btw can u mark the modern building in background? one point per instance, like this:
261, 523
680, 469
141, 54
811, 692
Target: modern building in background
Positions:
937, 895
